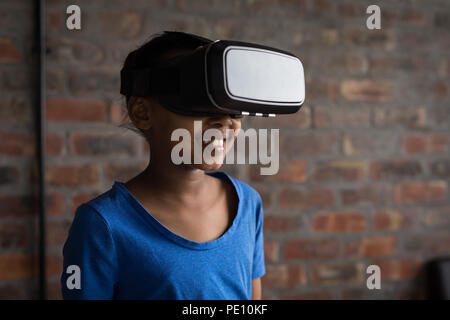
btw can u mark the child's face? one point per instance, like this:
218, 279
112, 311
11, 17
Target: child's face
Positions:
158, 124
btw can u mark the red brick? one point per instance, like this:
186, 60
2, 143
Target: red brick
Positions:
72, 175
15, 206
271, 250
308, 295
232, 7
55, 204
397, 168
57, 232
369, 143
361, 292
54, 81
275, 7
8, 175
225, 28
371, 247
265, 193
84, 83
346, 170
13, 81
438, 143
440, 168
441, 19
308, 144
124, 24
375, 194
412, 16
321, 7
17, 266
13, 236
347, 63
8, 51
414, 144
434, 242
289, 171
400, 117
319, 37
306, 249
295, 198
284, 276
440, 89
321, 89
337, 117
350, 10
53, 21
102, 144
282, 223
54, 144
54, 291
425, 143
189, 23
118, 113
437, 217
337, 273
81, 198
367, 90
392, 219
385, 65
267, 295
399, 269
420, 192
383, 38
15, 108
14, 291
54, 264
408, 16
75, 110
17, 143
329, 37
439, 117
339, 222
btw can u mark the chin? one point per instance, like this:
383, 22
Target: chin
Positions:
208, 167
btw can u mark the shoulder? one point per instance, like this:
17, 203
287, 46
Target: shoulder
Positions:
101, 207
247, 193
245, 188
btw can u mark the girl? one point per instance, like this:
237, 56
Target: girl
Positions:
175, 231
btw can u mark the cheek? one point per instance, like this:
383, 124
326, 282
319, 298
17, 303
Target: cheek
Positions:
237, 125
237, 128
184, 129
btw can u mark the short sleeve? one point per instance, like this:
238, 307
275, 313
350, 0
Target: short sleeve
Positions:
89, 258
259, 268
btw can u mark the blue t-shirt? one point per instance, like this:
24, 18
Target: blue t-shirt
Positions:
120, 251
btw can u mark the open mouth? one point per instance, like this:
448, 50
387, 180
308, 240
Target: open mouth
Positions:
218, 144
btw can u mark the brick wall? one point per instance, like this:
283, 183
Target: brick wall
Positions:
364, 167
18, 213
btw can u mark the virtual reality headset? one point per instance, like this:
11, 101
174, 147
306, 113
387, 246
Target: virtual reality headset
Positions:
223, 77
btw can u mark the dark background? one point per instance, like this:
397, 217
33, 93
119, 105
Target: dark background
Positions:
365, 163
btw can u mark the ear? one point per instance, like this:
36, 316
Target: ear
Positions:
140, 112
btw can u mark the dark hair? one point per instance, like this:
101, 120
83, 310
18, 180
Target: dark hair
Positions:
153, 52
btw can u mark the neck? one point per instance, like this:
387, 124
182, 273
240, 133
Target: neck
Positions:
176, 185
